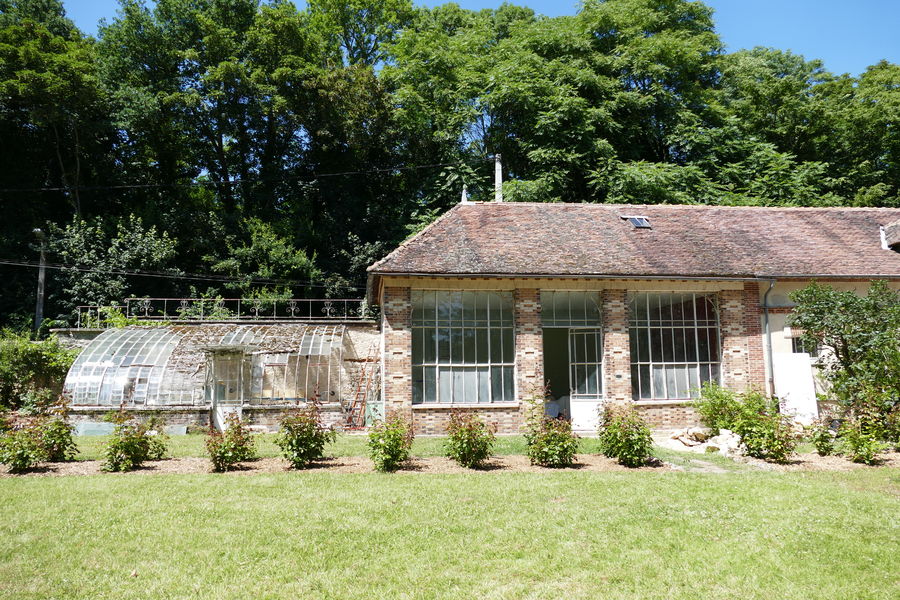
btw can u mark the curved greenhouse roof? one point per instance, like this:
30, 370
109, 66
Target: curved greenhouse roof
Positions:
190, 364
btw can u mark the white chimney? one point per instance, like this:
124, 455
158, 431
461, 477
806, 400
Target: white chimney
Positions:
498, 179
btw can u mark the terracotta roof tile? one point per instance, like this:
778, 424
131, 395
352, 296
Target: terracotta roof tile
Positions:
691, 241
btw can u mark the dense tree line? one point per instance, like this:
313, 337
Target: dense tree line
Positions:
287, 149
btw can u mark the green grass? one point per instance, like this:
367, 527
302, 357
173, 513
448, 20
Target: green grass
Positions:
649, 534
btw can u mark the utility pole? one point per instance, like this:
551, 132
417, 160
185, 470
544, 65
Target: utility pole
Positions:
498, 179
42, 268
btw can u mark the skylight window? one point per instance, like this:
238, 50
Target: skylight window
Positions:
639, 222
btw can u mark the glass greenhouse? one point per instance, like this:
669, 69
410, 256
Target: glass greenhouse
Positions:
209, 365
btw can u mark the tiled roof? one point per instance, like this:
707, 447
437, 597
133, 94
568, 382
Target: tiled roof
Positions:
523, 239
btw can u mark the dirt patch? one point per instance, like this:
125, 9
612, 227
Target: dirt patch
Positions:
814, 462
591, 463
343, 464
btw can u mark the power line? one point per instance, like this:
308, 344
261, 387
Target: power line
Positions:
310, 178
164, 275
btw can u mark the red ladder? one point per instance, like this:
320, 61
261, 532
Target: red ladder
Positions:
356, 417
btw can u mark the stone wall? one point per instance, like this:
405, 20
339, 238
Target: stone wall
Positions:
198, 418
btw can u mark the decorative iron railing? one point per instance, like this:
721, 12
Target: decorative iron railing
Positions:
223, 309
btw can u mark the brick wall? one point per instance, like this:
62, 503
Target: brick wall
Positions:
396, 329
529, 343
616, 352
743, 366
669, 416
433, 421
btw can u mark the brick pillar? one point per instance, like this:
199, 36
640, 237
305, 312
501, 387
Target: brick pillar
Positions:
396, 321
616, 351
529, 343
743, 366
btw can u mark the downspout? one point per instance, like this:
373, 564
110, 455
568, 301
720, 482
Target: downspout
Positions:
769, 360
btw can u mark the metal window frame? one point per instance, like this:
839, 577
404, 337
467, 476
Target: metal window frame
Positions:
635, 327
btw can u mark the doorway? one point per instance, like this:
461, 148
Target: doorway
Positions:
573, 373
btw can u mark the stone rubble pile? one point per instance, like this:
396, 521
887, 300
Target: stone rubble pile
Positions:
697, 439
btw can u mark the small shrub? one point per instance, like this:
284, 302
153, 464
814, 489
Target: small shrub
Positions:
717, 407
234, 445
390, 442
858, 445
20, 450
129, 445
768, 437
822, 437
551, 443
55, 436
764, 431
625, 436
157, 439
302, 437
469, 439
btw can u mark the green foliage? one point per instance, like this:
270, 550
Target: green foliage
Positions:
552, 443
108, 247
625, 436
861, 338
717, 407
859, 445
390, 442
55, 437
132, 442
302, 437
823, 436
287, 133
21, 450
228, 448
470, 440
764, 431
31, 372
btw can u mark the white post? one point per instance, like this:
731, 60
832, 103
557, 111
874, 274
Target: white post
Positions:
498, 179
465, 195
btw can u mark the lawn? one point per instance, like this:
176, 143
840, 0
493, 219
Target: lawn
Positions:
746, 535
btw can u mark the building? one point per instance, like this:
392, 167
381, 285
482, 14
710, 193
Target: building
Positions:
611, 303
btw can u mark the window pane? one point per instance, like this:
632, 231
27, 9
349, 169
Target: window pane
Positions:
659, 381
471, 377
646, 382
497, 384
417, 345
456, 346
469, 356
459, 385
428, 308
668, 347
484, 384
496, 348
443, 340
445, 392
418, 381
430, 389
481, 343
509, 352
429, 345
468, 308
509, 389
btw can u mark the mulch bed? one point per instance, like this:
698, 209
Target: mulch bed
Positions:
591, 463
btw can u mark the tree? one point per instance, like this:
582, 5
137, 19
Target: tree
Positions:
98, 252
861, 335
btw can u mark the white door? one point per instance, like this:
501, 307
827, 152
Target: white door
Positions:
586, 377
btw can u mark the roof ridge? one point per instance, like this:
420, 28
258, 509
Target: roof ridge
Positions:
693, 206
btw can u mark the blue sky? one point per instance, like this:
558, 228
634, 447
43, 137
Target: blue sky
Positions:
847, 35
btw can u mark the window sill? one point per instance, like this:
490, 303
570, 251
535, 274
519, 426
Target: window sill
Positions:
445, 406
664, 402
